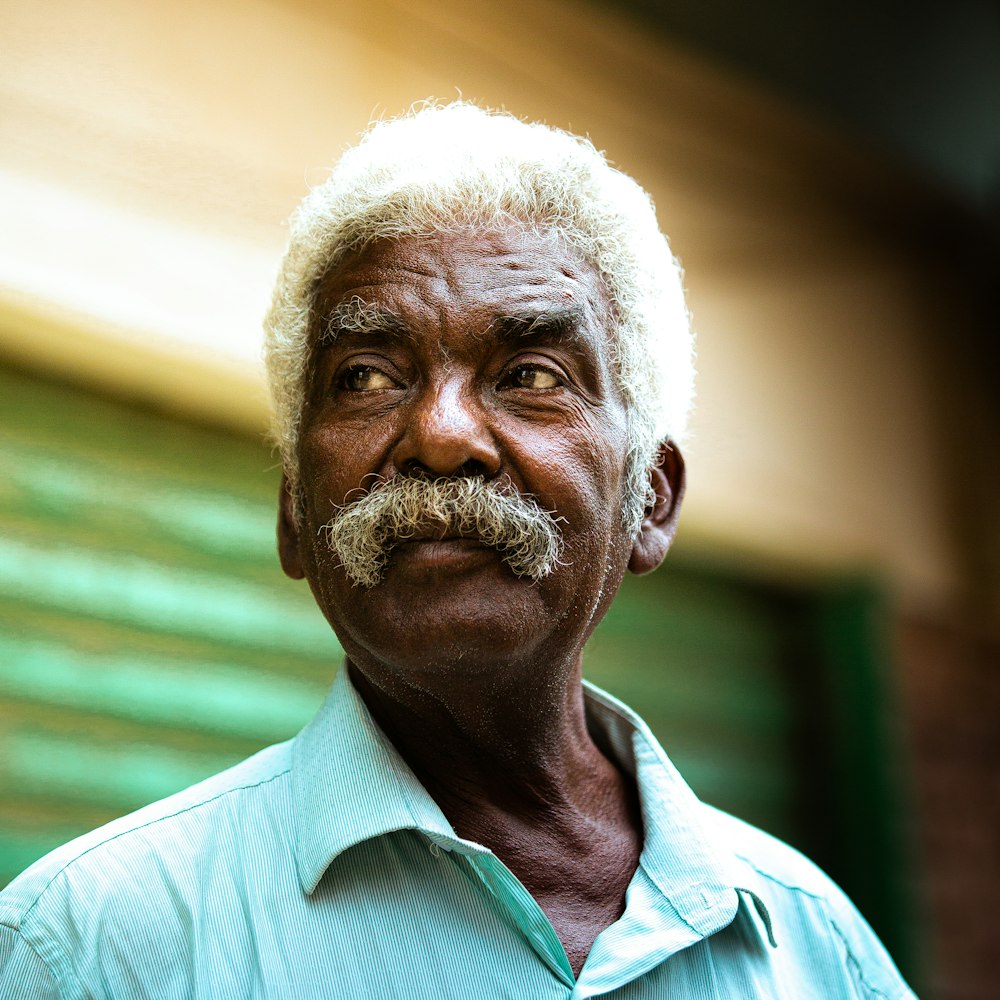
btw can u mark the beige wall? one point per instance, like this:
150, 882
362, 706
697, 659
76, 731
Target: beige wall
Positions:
150, 152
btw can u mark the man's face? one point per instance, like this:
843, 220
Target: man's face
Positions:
479, 354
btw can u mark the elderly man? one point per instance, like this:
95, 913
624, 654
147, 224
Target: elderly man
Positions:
481, 364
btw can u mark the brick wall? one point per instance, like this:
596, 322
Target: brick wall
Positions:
950, 688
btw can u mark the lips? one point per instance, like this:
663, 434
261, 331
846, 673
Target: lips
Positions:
452, 552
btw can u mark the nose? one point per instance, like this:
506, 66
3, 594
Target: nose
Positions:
448, 434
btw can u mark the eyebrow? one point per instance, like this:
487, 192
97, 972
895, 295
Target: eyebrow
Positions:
555, 324
356, 316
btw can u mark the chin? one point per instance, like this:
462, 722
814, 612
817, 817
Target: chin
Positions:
434, 625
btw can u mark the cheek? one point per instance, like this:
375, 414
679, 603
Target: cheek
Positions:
581, 479
337, 460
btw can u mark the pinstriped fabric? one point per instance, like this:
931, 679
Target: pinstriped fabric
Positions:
321, 868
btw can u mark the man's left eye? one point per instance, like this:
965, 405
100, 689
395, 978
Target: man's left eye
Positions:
533, 377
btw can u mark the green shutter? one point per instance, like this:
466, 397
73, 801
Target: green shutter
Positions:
149, 639
704, 660
147, 635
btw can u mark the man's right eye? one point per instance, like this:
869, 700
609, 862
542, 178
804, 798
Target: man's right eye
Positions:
364, 378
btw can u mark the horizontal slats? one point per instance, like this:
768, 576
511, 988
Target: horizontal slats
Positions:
157, 597
124, 776
66, 496
213, 697
147, 636
63, 420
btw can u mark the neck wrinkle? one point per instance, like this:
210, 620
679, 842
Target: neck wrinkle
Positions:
527, 756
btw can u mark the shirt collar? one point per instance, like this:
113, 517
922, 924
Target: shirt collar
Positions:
681, 854
350, 784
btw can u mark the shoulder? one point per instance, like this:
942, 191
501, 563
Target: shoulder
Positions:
768, 857
150, 865
809, 912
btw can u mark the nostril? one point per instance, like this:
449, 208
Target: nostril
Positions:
416, 469
473, 469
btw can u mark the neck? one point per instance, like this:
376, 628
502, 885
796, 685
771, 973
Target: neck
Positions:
514, 768
485, 746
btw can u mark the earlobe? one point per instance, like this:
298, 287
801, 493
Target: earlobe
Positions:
288, 533
659, 525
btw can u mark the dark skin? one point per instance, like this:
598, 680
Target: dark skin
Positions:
493, 360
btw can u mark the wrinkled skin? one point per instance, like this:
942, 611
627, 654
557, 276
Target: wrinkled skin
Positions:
451, 642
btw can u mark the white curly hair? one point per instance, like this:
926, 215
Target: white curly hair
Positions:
458, 165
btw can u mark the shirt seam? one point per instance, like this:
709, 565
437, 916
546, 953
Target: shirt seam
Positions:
58, 978
824, 903
134, 829
819, 897
855, 961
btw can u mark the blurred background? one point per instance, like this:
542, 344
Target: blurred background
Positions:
820, 652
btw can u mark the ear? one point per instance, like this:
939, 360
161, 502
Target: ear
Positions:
659, 525
288, 533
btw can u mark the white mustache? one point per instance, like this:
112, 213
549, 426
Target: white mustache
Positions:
363, 533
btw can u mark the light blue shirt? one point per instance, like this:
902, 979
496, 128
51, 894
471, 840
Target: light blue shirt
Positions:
322, 868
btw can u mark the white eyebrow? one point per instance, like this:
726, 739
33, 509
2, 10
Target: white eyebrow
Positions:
360, 317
